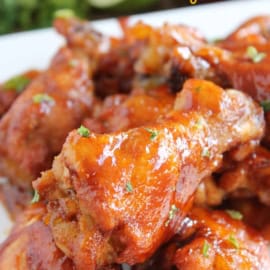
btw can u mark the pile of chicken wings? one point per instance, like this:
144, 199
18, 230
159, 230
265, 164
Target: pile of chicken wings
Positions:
146, 151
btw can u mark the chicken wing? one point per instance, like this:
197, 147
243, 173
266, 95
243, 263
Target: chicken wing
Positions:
246, 65
35, 127
248, 178
31, 245
211, 240
121, 195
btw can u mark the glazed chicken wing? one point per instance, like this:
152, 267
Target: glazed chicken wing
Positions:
249, 68
35, 127
31, 245
212, 240
114, 198
249, 177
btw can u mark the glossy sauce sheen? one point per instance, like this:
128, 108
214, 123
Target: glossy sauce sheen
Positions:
31, 245
120, 193
32, 133
211, 240
92, 174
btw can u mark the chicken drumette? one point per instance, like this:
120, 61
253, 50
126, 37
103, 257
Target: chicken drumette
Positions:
114, 198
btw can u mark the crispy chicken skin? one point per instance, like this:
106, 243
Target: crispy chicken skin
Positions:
33, 130
116, 197
31, 246
254, 213
249, 177
142, 53
244, 72
112, 59
232, 245
13, 87
211, 240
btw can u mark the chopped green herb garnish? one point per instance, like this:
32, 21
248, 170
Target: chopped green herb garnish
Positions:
172, 213
40, 98
73, 63
35, 198
234, 214
83, 131
254, 55
205, 153
266, 105
129, 187
17, 83
64, 13
205, 249
153, 133
199, 124
233, 241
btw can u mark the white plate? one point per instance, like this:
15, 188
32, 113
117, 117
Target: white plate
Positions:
34, 49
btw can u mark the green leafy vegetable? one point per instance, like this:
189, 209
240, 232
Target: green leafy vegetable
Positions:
17, 83
83, 131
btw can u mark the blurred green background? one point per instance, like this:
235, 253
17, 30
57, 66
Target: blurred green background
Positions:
18, 15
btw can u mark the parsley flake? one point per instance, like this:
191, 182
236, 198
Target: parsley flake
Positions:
172, 213
73, 63
129, 187
40, 98
234, 241
64, 13
266, 105
234, 214
153, 133
199, 124
205, 248
205, 153
17, 83
253, 54
35, 197
83, 131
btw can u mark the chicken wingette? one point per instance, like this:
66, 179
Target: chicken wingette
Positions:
215, 240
